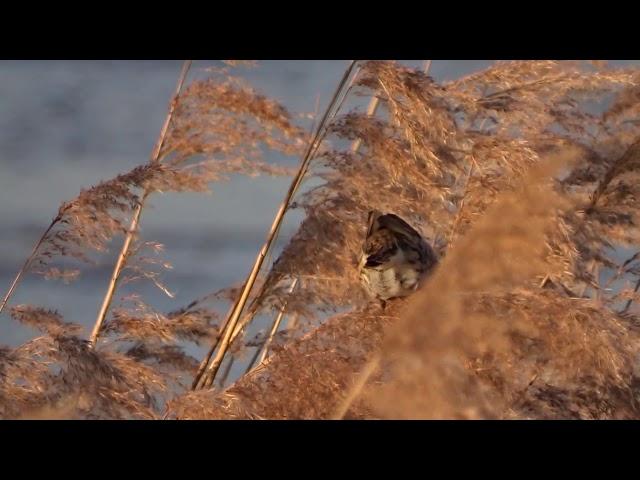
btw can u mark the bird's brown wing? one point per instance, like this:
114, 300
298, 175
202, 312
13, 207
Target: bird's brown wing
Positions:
410, 240
379, 247
399, 226
371, 222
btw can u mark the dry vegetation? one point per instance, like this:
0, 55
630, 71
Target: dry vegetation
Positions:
523, 176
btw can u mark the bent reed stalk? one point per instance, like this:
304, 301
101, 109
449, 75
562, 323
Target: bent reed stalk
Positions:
212, 370
135, 220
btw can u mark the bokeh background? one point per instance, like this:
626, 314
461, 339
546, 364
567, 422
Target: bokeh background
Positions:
65, 125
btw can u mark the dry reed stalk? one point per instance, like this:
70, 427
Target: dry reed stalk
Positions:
124, 252
276, 324
371, 111
27, 262
244, 295
361, 380
235, 328
274, 329
198, 378
372, 108
254, 307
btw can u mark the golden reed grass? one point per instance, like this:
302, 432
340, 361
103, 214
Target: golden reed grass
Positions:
532, 312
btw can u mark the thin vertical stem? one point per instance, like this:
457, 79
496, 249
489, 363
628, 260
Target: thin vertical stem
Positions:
371, 111
133, 227
254, 306
207, 358
276, 324
274, 329
253, 274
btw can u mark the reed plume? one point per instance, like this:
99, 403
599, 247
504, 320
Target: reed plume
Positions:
524, 177
510, 333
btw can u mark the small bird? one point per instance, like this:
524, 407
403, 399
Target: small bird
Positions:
395, 258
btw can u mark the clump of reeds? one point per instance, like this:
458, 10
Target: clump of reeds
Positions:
516, 323
532, 312
135, 359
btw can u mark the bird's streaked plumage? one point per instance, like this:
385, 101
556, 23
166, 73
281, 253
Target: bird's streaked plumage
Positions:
395, 258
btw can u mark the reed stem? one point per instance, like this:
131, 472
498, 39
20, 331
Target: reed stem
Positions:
361, 380
27, 263
135, 220
274, 329
213, 368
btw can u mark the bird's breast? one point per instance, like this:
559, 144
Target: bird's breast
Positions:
391, 280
